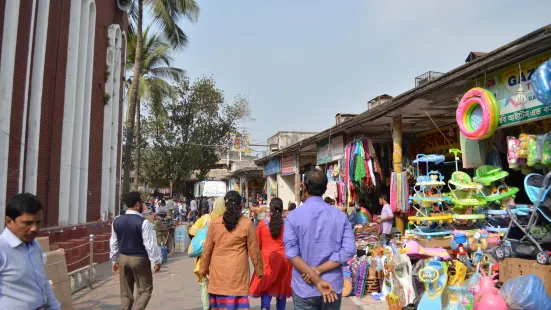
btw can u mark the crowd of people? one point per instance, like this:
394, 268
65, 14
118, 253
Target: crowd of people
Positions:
296, 253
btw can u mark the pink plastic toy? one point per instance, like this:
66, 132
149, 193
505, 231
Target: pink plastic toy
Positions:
412, 248
487, 296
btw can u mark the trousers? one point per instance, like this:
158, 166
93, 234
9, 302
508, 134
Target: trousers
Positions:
135, 270
265, 301
315, 303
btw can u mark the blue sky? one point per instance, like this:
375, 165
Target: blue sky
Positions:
301, 62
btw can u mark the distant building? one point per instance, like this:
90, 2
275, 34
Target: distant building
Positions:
283, 139
62, 81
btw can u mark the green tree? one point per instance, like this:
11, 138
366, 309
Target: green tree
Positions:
155, 77
199, 128
166, 15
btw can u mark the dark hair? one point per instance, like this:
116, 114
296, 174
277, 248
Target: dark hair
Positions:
328, 200
315, 182
276, 218
233, 210
132, 199
384, 197
23, 203
292, 206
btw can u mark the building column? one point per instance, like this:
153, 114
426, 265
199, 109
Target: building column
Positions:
397, 162
298, 179
7, 68
35, 100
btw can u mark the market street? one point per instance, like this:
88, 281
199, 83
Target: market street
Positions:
175, 287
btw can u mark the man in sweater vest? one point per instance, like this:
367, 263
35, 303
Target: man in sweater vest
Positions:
132, 249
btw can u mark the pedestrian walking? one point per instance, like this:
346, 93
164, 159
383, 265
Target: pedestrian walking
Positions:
231, 240
218, 209
132, 250
276, 281
23, 280
318, 241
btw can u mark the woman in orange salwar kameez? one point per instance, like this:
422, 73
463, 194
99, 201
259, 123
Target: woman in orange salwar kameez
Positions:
276, 281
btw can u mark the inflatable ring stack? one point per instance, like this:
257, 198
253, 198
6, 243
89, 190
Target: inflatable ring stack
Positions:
481, 99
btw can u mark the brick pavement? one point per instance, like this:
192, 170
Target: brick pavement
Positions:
175, 287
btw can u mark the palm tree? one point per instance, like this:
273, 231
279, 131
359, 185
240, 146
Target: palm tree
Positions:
166, 14
154, 85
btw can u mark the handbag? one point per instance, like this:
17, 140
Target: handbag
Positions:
198, 242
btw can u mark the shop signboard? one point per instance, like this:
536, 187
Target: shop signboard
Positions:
272, 167
329, 152
434, 142
505, 83
288, 164
214, 189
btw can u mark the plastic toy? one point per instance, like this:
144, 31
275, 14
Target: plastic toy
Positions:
435, 277
413, 248
459, 238
541, 81
428, 201
404, 283
512, 148
487, 296
478, 114
457, 272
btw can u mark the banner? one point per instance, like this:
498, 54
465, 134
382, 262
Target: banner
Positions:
433, 142
329, 152
505, 83
242, 144
288, 164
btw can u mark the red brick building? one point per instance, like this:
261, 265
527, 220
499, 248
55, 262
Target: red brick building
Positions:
61, 98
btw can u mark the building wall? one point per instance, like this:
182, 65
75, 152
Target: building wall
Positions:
53, 92
286, 189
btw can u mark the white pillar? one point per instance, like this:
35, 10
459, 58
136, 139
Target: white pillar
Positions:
35, 100
87, 104
115, 106
69, 113
107, 126
23, 139
7, 67
76, 168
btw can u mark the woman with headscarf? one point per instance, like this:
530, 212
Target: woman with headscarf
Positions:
231, 240
218, 209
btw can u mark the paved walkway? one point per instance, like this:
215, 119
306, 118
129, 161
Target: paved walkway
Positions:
175, 287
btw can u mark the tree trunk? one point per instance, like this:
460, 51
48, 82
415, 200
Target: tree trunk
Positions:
138, 143
131, 116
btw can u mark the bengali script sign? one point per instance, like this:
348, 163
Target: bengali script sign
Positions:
288, 164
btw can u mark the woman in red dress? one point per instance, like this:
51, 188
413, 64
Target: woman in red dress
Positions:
276, 281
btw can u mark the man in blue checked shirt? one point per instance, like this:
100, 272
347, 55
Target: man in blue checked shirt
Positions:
23, 281
318, 240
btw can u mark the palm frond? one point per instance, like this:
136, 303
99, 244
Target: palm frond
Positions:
167, 73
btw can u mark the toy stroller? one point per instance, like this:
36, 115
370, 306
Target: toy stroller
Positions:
538, 190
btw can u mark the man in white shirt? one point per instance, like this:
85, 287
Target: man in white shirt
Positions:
132, 254
193, 208
23, 280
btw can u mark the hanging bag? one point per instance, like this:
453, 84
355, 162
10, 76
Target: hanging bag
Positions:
198, 242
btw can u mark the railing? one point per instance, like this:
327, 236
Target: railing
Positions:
84, 276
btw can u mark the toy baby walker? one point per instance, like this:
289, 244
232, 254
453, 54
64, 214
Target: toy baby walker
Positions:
466, 196
428, 200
